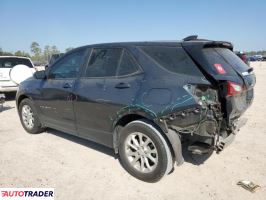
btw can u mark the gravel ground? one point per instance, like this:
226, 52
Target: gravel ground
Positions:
79, 169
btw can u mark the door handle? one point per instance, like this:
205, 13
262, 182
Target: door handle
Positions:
67, 85
122, 85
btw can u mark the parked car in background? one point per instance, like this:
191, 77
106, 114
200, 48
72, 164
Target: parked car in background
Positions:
6, 64
242, 56
264, 58
258, 57
143, 99
39, 65
252, 58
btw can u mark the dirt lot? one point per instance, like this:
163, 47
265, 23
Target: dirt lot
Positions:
79, 169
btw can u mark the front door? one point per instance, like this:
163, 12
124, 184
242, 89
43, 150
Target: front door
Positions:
57, 92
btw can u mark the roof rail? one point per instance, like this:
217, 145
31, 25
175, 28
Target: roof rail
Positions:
191, 37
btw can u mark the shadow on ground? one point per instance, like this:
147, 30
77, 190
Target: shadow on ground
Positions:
84, 142
194, 159
5, 108
188, 157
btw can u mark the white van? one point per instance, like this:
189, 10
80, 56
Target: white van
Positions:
6, 64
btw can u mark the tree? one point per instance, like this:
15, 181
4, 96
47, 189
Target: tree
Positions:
3, 53
69, 49
47, 53
54, 50
22, 53
36, 50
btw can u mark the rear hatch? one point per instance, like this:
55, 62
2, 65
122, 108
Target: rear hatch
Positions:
4, 74
7, 63
227, 71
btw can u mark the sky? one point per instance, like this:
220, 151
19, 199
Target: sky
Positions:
74, 23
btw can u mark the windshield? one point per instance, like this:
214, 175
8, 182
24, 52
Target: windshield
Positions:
11, 62
224, 61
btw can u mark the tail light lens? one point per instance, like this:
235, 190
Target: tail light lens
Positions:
233, 89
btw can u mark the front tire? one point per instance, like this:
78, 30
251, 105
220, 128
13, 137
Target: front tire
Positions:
144, 152
29, 117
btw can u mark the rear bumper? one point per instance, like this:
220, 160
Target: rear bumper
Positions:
8, 88
224, 142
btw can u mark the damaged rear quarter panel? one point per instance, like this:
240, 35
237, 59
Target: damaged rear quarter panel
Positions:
160, 92
157, 98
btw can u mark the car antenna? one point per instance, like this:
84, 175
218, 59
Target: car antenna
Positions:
191, 37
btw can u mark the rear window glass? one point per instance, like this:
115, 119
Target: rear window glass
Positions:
174, 59
226, 59
11, 62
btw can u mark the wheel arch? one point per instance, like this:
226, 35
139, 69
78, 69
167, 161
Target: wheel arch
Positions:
171, 137
130, 117
20, 98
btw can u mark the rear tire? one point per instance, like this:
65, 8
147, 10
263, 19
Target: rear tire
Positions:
144, 152
29, 117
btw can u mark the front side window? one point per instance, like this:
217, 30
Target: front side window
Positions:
104, 62
68, 67
173, 59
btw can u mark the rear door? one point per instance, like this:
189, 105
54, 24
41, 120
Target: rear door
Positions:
101, 93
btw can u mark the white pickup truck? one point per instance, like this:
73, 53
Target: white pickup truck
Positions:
6, 64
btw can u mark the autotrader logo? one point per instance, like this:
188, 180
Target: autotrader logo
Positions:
26, 193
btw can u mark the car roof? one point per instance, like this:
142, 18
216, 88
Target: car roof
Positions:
139, 43
15, 57
174, 43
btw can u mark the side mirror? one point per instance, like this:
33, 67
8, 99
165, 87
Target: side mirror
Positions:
40, 74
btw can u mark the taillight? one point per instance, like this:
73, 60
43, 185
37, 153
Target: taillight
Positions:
233, 88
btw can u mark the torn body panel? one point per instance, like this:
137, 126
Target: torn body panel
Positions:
203, 122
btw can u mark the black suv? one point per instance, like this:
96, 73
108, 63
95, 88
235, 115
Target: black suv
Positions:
143, 99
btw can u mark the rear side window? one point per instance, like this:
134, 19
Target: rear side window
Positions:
103, 62
225, 59
174, 59
127, 65
11, 62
